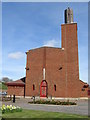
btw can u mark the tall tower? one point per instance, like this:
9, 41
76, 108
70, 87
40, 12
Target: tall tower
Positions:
70, 45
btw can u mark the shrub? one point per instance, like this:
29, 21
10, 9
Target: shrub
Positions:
53, 102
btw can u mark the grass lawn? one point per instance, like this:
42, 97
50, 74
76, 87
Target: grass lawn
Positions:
42, 114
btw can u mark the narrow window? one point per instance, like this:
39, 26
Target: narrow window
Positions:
33, 87
55, 87
89, 92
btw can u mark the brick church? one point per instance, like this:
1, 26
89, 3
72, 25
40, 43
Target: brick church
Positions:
52, 71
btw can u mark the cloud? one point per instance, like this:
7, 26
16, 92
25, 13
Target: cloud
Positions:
16, 55
52, 43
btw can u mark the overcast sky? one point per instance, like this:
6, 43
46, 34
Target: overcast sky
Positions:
31, 25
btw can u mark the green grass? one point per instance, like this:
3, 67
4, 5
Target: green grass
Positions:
41, 114
3, 86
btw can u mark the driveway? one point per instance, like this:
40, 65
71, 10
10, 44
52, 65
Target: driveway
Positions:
81, 108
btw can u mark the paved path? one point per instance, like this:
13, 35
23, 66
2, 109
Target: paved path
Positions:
81, 108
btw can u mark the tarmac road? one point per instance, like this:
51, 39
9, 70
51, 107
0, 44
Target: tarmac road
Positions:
81, 108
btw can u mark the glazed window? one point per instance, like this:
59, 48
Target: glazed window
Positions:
54, 87
33, 87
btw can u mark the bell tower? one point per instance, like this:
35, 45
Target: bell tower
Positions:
70, 45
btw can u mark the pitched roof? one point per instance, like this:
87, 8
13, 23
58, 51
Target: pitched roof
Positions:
20, 82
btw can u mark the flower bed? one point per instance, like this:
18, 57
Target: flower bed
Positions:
52, 102
10, 108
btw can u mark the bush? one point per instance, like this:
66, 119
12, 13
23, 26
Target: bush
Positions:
53, 102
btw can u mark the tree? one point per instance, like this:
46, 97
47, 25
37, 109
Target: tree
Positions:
6, 79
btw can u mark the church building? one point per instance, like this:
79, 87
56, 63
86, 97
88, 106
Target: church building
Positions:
54, 72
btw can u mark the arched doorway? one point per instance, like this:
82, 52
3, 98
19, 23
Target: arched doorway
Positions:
43, 89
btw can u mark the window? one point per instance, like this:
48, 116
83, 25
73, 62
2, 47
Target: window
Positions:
33, 87
89, 92
83, 89
55, 87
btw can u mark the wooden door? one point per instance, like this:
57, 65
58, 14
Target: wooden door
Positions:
43, 89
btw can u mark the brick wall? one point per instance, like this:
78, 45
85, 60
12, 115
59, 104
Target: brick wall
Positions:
17, 90
70, 45
53, 59
83, 91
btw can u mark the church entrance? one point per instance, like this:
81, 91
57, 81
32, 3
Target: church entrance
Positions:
43, 89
